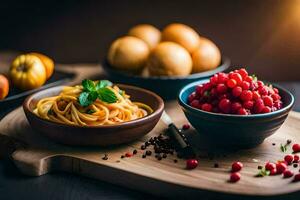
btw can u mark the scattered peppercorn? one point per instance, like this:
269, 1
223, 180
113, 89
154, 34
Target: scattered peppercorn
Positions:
175, 161
164, 155
159, 157
273, 144
105, 157
143, 147
134, 151
144, 156
147, 143
295, 165
122, 156
289, 141
259, 167
216, 165
148, 153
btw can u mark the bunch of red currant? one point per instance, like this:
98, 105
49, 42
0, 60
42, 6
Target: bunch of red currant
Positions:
235, 93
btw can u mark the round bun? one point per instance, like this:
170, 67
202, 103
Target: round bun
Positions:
147, 33
128, 53
181, 34
206, 57
169, 59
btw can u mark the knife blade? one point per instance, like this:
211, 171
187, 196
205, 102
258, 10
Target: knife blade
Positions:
180, 141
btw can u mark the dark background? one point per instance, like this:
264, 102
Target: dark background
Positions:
263, 35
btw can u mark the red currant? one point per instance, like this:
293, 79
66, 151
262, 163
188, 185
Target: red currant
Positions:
266, 109
255, 95
222, 78
225, 105
231, 83
191, 163
289, 158
248, 104
281, 167
236, 166
245, 85
260, 83
296, 148
246, 95
263, 90
248, 79
206, 107
221, 88
288, 174
195, 103
186, 126
237, 77
237, 91
234, 177
214, 79
242, 111
259, 106
296, 158
235, 107
243, 72
268, 101
297, 177
269, 166
273, 171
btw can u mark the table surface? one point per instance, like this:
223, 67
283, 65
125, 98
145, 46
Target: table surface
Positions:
14, 185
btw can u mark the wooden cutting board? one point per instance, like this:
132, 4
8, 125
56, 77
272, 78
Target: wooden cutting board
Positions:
165, 177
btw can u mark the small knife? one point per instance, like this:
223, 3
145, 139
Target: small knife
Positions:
180, 141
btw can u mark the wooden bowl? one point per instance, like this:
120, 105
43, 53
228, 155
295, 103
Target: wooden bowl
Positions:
235, 131
97, 135
166, 86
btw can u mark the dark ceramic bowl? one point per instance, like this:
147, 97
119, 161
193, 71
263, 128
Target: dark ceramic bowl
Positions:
165, 86
97, 135
236, 131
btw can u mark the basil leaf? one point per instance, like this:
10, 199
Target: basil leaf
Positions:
106, 95
102, 84
88, 85
84, 99
93, 96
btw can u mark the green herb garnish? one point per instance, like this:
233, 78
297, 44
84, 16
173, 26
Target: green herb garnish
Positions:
263, 172
283, 148
92, 91
90, 111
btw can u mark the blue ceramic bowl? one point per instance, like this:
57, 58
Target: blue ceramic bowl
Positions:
165, 86
236, 131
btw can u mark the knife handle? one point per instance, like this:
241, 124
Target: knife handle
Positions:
177, 136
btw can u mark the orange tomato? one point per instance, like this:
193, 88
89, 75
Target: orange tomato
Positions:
48, 63
27, 72
4, 87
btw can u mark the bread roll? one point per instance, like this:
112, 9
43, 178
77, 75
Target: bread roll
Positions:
169, 59
181, 34
128, 53
147, 33
206, 57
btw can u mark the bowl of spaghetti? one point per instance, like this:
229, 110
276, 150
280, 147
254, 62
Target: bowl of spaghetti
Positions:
93, 113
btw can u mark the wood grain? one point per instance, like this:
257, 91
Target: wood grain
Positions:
160, 177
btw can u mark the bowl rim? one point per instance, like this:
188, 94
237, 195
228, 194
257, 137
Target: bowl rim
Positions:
225, 64
26, 107
190, 108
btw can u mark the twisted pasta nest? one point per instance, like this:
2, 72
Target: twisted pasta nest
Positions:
66, 109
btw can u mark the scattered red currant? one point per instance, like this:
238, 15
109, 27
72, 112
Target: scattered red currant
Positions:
297, 177
191, 163
281, 167
270, 166
296, 158
288, 173
234, 177
296, 148
289, 158
236, 166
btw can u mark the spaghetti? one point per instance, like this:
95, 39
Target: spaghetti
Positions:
66, 109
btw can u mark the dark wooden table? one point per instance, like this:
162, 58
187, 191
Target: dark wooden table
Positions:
14, 185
